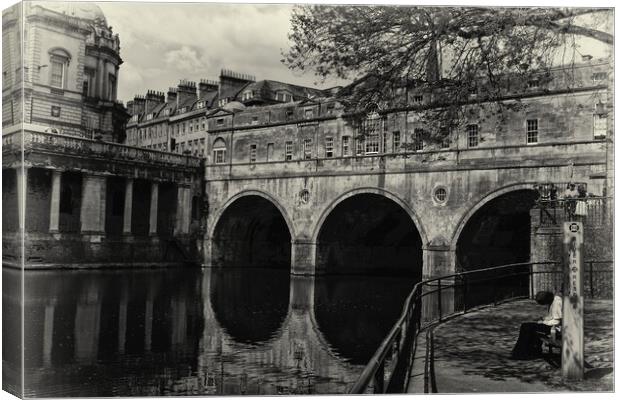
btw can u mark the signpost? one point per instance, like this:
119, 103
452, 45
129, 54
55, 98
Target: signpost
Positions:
572, 305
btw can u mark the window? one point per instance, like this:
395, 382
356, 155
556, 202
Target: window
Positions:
418, 139
219, 151
247, 95
289, 115
200, 104
445, 137
346, 146
395, 141
372, 144
599, 76
89, 82
288, 151
418, 98
254, 120
269, 151
284, 97
329, 147
532, 131
203, 121
600, 126
533, 83
472, 135
359, 149
252, 153
219, 121
196, 124
190, 126
330, 109
183, 127
222, 102
57, 78
149, 117
307, 150
166, 112
309, 113
440, 195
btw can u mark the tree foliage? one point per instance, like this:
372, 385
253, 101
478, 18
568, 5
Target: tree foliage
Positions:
460, 53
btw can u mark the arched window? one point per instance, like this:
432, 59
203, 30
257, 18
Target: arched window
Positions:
59, 63
219, 151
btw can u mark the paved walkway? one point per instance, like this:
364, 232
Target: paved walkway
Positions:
472, 352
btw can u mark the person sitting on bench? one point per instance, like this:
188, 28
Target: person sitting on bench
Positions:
528, 344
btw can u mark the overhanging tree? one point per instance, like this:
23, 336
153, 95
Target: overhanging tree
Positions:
460, 54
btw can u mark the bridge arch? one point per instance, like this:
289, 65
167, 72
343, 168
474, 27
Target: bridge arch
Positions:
252, 229
481, 203
355, 229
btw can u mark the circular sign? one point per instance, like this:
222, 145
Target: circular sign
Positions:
573, 227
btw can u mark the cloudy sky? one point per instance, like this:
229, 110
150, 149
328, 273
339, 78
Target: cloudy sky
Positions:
162, 43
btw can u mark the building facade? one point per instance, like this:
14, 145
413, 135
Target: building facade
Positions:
66, 79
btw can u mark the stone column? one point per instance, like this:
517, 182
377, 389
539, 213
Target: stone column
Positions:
128, 205
438, 260
92, 216
22, 192
154, 207
303, 257
181, 226
55, 202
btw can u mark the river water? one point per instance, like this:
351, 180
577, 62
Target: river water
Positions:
195, 332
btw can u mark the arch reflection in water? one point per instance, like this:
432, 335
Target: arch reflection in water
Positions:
250, 304
355, 313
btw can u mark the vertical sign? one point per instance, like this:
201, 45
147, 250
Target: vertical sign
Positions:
572, 309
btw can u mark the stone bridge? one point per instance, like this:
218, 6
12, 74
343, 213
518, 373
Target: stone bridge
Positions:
422, 212
89, 203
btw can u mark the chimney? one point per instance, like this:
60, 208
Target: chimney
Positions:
186, 91
130, 107
138, 104
172, 95
230, 80
206, 86
153, 99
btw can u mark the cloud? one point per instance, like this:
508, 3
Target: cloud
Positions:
162, 43
184, 59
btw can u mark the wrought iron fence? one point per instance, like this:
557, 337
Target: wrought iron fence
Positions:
592, 210
434, 300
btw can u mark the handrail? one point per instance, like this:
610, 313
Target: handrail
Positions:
409, 324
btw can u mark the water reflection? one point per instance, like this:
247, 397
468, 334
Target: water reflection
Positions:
192, 332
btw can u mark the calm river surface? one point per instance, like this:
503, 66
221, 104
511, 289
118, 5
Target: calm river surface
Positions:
193, 332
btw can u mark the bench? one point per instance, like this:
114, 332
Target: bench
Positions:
553, 339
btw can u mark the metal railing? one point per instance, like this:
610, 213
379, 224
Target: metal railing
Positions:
593, 210
434, 300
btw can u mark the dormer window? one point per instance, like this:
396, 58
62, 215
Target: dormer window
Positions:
599, 76
200, 104
309, 113
222, 102
533, 83
284, 97
166, 112
149, 117
182, 110
247, 95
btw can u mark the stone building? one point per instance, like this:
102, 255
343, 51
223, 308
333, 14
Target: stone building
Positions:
71, 193
177, 121
68, 70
